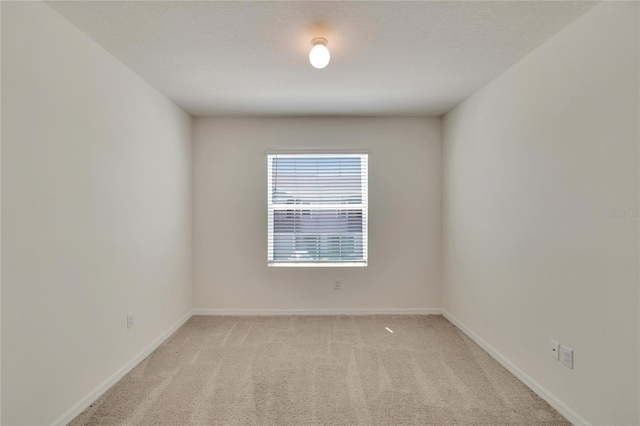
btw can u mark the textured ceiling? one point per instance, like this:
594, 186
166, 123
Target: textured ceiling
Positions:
251, 58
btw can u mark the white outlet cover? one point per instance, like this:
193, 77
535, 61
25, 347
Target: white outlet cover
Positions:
566, 356
554, 350
130, 320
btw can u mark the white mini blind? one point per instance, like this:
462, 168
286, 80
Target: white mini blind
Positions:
317, 209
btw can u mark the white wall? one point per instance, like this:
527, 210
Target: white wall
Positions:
531, 164
230, 215
96, 214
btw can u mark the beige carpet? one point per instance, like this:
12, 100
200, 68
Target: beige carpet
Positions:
302, 370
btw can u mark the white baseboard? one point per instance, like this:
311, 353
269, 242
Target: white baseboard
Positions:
275, 312
540, 390
106, 385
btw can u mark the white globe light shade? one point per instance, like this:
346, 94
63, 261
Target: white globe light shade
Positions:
319, 55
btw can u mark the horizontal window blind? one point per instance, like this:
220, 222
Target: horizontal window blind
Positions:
317, 209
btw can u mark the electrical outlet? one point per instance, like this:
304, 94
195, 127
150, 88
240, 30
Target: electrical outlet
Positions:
554, 350
338, 285
566, 357
130, 320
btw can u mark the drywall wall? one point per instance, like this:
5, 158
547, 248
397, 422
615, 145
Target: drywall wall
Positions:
230, 216
541, 213
96, 214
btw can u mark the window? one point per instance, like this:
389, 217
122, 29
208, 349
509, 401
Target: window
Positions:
317, 208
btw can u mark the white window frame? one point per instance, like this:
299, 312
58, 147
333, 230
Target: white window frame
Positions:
271, 208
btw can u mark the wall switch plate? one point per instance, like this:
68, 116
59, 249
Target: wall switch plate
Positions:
130, 320
554, 350
338, 285
566, 356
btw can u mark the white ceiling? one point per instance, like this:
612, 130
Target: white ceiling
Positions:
251, 57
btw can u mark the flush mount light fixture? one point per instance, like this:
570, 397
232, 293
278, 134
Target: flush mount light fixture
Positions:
319, 55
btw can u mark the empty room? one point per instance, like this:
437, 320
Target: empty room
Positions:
320, 213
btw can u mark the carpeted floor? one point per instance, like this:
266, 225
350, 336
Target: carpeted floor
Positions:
301, 370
